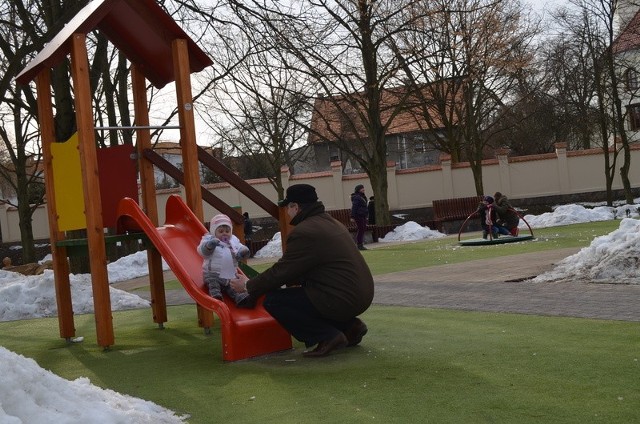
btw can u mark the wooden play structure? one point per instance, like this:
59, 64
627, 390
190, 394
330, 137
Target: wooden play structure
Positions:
100, 192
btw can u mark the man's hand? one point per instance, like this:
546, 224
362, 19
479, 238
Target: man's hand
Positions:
239, 284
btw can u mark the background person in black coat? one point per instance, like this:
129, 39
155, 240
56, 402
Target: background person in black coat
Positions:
372, 211
248, 227
507, 216
359, 213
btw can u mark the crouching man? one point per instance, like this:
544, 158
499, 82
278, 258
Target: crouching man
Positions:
321, 284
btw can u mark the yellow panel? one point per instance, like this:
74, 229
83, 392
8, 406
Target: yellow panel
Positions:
67, 183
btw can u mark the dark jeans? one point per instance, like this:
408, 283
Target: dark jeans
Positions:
496, 229
361, 223
292, 308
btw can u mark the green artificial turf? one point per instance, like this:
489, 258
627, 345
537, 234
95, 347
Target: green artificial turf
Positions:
415, 365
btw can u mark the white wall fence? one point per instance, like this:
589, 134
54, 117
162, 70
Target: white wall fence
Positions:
560, 173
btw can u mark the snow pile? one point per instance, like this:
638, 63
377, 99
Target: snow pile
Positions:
33, 296
273, 249
569, 214
125, 268
30, 394
612, 258
410, 231
131, 266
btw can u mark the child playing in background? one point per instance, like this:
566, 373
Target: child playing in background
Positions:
221, 251
489, 218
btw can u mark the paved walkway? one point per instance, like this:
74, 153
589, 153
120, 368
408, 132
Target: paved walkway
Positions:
490, 285
494, 286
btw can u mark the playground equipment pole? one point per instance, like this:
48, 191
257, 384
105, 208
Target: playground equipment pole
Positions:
60, 264
190, 163
91, 190
148, 187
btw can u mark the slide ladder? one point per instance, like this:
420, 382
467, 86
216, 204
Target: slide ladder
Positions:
246, 333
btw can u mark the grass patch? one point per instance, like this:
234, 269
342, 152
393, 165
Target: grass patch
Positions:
415, 365
426, 253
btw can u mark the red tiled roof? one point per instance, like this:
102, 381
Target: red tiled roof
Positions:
629, 38
335, 117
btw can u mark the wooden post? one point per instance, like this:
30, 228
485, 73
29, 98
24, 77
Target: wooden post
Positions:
91, 190
190, 164
285, 227
148, 185
238, 229
187, 128
60, 264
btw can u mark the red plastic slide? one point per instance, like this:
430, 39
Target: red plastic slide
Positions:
246, 333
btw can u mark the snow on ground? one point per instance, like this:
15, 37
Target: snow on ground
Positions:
575, 214
30, 394
612, 258
129, 267
33, 296
410, 231
273, 249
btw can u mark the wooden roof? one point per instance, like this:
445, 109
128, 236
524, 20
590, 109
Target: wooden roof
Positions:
140, 29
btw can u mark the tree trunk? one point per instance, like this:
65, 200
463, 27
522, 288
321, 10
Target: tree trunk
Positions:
476, 169
26, 234
624, 174
608, 176
379, 185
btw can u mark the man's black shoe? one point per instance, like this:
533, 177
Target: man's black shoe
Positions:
327, 346
356, 332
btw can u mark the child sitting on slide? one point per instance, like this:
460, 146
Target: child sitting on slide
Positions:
221, 251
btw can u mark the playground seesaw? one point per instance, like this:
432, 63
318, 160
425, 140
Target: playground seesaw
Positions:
246, 333
494, 240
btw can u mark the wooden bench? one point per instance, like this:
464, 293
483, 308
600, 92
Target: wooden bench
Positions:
255, 245
344, 217
381, 230
449, 214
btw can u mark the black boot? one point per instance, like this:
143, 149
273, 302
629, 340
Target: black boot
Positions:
361, 247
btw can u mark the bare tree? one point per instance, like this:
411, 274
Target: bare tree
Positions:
26, 27
591, 67
530, 124
255, 110
571, 85
473, 55
20, 167
29, 25
343, 46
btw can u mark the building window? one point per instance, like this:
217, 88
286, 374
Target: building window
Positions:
334, 154
418, 144
634, 117
631, 79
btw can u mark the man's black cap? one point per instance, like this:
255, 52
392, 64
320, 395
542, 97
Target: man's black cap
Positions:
299, 193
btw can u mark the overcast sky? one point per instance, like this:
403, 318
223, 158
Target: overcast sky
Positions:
542, 4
